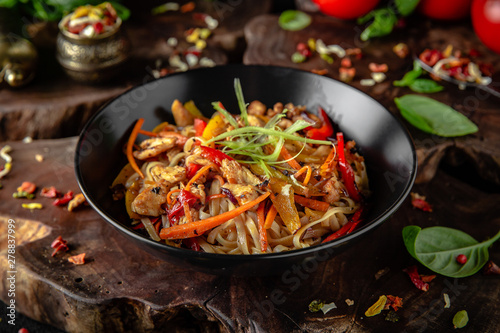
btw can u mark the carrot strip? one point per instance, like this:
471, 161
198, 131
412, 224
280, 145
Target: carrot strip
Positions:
311, 203
169, 195
130, 144
329, 159
221, 180
262, 230
216, 196
308, 174
285, 154
271, 215
148, 133
200, 173
188, 230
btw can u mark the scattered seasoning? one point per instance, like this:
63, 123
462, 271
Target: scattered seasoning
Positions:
23, 330
187, 7
327, 307
64, 200
457, 66
349, 302
39, 157
34, 205
27, 187
316, 305
323, 71
393, 302
376, 308
446, 301
378, 68
347, 74
59, 244
166, 7
27, 139
50, 192
78, 259
367, 82
378, 77
381, 273
293, 20
460, 319
77, 201
418, 201
491, 268
392, 316
401, 50
415, 278
427, 278
23, 194
461, 259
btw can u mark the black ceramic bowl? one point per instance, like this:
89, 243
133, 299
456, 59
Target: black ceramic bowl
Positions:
386, 145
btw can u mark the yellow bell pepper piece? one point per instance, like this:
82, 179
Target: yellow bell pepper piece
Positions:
214, 127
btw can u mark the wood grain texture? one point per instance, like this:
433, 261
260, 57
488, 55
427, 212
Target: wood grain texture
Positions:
122, 288
268, 44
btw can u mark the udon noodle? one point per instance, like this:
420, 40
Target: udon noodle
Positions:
266, 180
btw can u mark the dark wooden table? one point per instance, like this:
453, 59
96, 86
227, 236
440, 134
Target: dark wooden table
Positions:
122, 288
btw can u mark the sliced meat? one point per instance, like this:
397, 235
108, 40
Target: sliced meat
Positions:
153, 147
149, 201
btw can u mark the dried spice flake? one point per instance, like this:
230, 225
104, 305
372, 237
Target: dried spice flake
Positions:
327, 307
392, 317
59, 244
349, 302
418, 201
376, 308
393, 301
415, 278
78, 259
446, 301
316, 305
77, 201
491, 268
460, 319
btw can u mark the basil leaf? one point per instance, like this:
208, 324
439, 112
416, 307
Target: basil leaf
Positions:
408, 78
425, 86
434, 117
294, 20
437, 249
384, 20
406, 7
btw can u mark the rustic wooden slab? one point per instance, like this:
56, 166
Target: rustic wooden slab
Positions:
270, 45
54, 106
122, 288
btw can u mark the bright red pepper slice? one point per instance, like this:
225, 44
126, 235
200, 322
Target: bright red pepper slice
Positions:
192, 169
346, 228
64, 200
324, 131
177, 210
346, 170
199, 126
214, 155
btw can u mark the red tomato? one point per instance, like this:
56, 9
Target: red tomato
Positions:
445, 9
346, 9
486, 22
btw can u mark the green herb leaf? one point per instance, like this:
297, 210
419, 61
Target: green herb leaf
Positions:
384, 20
460, 319
434, 117
437, 249
241, 101
406, 7
425, 86
409, 77
294, 20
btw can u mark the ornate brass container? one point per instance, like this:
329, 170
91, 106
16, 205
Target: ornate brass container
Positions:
92, 59
18, 58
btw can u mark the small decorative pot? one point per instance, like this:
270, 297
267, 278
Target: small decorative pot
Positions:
92, 59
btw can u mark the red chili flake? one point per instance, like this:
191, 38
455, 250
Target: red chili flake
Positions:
346, 62
474, 53
98, 27
323, 71
427, 278
393, 301
23, 330
430, 57
59, 244
418, 201
64, 200
378, 68
415, 278
347, 74
78, 259
27, 187
461, 259
50, 192
303, 49
188, 7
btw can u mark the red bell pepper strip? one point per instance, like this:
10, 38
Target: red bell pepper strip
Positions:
346, 228
199, 126
192, 169
177, 210
324, 131
346, 170
213, 155
64, 200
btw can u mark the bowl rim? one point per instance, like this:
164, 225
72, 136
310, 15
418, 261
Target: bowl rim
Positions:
362, 231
